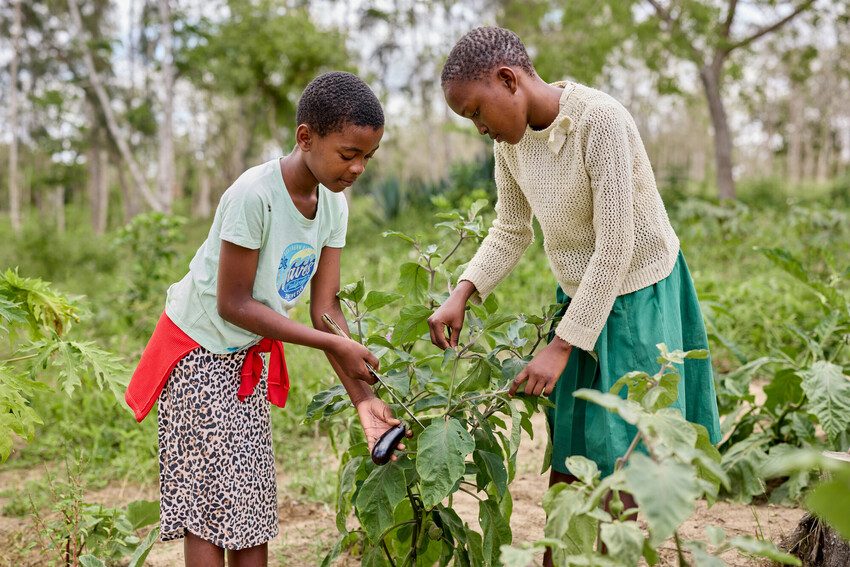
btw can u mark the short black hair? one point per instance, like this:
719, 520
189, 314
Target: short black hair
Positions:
481, 50
333, 100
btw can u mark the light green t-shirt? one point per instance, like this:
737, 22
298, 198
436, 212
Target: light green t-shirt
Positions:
256, 212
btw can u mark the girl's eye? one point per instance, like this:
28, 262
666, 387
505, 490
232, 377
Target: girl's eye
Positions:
476, 114
346, 158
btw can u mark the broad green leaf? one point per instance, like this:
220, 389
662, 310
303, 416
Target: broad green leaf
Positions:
496, 529
583, 468
412, 324
142, 513
830, 501
345, 490
764, 548
342, 543
442, 450
144, 548
516, 557
668, 427
377, 299
627, 409
413, 281
665, 493
624, 541
478, 377
322, 400
400, 235
90, 561
828, 392
743, 462
382, 490
494, 467
701, 556
353, 292
374, 557
784, 389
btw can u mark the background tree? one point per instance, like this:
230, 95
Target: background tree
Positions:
581, 37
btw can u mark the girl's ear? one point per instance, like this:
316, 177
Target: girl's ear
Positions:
304, 137
508, 78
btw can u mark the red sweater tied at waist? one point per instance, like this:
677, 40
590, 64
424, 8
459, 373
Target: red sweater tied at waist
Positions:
169, 344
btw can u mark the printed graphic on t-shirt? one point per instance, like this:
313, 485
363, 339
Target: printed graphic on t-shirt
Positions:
296, 267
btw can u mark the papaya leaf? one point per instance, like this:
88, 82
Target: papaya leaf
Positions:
828, 393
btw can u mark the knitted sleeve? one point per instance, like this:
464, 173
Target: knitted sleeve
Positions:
609, 164
509, 236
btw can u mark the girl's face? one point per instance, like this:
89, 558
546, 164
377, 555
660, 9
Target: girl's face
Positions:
337, 159
494, 103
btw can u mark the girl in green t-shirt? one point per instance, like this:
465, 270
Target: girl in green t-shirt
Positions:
278, 228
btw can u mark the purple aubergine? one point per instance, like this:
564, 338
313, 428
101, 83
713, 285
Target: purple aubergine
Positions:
387, 443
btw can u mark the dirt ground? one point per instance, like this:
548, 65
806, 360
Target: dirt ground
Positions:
308, 529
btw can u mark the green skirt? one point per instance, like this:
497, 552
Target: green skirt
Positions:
665, 312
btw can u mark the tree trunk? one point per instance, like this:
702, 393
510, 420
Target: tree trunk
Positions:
166, 128
95, 170
128, 197
710, 76
203, 206
105, 107
14, 189
59, 208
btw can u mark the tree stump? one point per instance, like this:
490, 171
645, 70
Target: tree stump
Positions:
814, 542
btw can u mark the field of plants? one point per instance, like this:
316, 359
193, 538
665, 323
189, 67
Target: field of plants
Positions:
78, 481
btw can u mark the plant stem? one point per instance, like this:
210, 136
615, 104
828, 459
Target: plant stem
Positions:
449, 255
622, 460
462, 489
683, 562
19, 358
387, 553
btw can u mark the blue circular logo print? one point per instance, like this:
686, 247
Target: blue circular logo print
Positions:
296, 268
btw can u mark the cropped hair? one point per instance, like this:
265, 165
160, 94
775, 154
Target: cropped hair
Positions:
333, 100
481, 50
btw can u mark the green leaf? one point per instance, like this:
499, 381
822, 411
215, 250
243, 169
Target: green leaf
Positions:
413, 281
400, 235
144, 548
478, 377
830, 501
412, 324
763, 548
142, 513
353, 291
496, 529
91, 561
784, 389
624, 541
627, 409
442, 450
345, 489
377, 299
494, 466
516, 557
665, 493
743, 462
322, 401
583, 468
342, 543
382, 490
828, 392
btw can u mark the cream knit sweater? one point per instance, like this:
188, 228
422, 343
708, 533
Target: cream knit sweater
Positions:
588, 181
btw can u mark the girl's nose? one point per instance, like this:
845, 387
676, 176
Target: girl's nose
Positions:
357, 167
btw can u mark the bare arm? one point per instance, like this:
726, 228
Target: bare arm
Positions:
236, 304
323, 289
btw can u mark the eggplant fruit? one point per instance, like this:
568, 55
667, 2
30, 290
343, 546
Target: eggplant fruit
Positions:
387, 443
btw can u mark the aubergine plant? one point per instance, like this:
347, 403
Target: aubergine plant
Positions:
806, 400
466, 429
669, 465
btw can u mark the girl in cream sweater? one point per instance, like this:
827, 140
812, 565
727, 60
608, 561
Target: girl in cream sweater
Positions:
572, 157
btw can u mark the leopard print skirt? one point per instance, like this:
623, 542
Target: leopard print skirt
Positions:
217, 469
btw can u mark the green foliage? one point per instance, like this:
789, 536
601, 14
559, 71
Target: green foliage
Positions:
404, 508
263, 55
30, 304
668, 467
77, 532
152, 241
